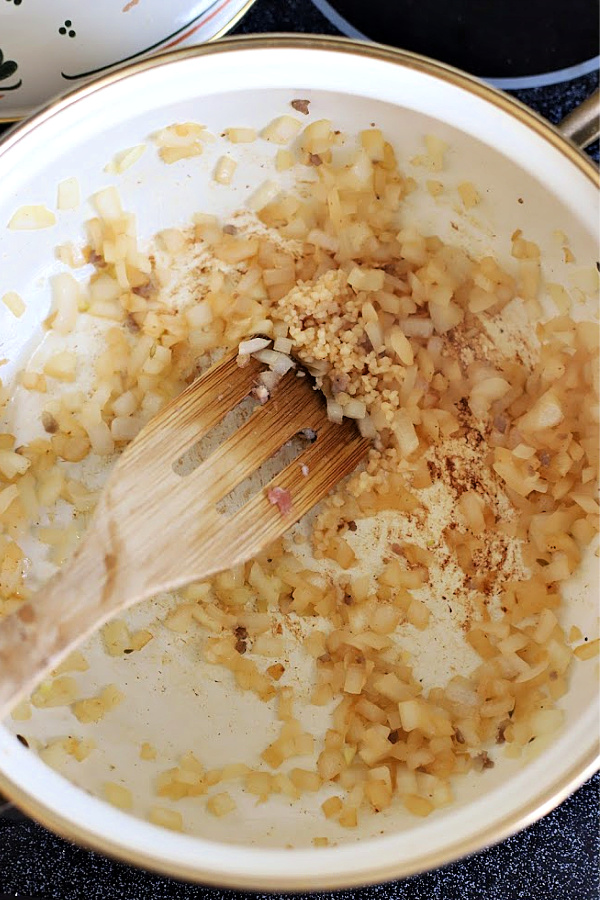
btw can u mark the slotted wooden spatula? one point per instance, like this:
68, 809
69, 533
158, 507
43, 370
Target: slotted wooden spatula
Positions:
156, 530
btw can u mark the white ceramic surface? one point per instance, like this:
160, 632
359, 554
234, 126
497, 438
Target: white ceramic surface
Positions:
183, 704
48, 48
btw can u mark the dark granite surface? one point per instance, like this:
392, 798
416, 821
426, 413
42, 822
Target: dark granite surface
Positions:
555, 859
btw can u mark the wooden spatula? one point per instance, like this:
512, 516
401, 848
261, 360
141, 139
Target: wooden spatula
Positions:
155, 530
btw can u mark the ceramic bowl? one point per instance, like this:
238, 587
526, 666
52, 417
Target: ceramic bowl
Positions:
529, 177
47, 49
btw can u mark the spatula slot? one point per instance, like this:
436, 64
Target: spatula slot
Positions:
270, 469
292, 407
207, 445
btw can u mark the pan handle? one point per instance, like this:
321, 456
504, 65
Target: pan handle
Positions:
582, 124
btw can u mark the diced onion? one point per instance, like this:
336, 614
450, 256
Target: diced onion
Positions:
240, 135
30, 218
225, 170
68, 194
282, 130
246, 348
263, 195
15, 303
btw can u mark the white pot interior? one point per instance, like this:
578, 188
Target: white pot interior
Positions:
173, 699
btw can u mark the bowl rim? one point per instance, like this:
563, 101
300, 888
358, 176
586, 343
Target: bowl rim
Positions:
567, 781
284, 40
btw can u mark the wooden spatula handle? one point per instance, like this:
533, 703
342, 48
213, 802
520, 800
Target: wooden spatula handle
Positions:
155, 529
40, 634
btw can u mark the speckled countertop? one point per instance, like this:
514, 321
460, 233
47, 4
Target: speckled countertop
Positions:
555, 859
